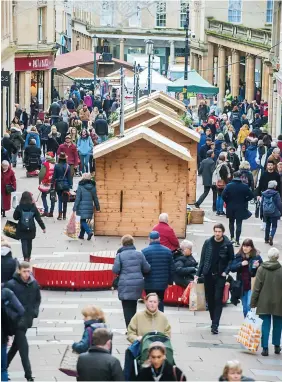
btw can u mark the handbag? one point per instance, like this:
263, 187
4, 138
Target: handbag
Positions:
9, 189
60, 183
116, 279
44, 187
10, 229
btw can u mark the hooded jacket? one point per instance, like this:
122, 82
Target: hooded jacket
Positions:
101, 127
86, 195
28, 293
8, 264
85, 145
242, 135
185, 269
16, 137
267, 296
32, 135
84, 344
251, 156
270, 193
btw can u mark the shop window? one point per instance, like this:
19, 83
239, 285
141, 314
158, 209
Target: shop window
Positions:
269, 11
184, 6
161, 14
235, 11
37, 87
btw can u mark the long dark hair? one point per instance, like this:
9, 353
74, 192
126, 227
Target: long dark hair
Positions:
248, 242
26, 198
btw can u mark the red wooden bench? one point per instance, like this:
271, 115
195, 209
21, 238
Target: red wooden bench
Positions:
172, 295
106, 257
74, 275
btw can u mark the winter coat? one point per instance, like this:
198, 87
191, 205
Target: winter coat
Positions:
46, 173
251, 157
7, 177
246, 173
71, 153
167, 236
9, 145
130, 265
185, 269
45, 131
236, 266
98, 365
226, 256
230, 141
54, 141
145, 321
206, 169
70, 104
21, 233
28, 294
84, 115
8, 264
267, 296
234, 161
11, 311
65, 114
85, 343
101, 127
236, 195
203, 151
5, 155
203, 112
86, 195
62, 128
32, 151
16, 137
59, 172
162, 266
85, 146
32, 135
212, 128
270, 193
201, 142
217, 147
88, 101
242, 135
54, 110
168, 374
267, 177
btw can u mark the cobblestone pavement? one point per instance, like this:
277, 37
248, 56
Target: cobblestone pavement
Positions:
200, 354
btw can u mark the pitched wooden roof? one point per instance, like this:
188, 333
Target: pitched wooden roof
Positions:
145, 101
165, 97
79, 72
149, 135
141, 110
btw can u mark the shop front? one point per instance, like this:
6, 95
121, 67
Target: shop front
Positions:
33, 79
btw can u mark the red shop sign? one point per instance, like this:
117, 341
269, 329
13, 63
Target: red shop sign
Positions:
34, 63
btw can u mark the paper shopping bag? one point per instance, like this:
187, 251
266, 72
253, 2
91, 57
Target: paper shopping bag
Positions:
197, 299
69, 362
225, 296
250, 332
186, 294
73, 226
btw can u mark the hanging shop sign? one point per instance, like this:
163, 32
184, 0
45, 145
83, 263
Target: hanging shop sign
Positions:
5, 78
23, 64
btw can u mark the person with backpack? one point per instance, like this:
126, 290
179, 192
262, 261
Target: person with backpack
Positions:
93, 318
45, 177
11, 311
27, 290
25, 213
271, 210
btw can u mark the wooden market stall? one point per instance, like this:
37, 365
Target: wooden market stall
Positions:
139, 176
145, 102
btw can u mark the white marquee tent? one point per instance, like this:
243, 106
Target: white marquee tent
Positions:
158, 82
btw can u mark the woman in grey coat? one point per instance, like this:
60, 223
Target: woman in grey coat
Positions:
130, 266
86, 198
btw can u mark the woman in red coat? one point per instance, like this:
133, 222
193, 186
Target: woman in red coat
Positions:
7, 178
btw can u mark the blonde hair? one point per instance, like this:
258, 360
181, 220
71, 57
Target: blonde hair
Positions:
151, 295
54, 128
33, 128
87, 176
127, 240
93, 312
231, 365
245, 165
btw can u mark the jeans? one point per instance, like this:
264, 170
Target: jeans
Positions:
160, 294
102, 138
20, 344
26, 248
15, 157
44, 146
214, 286
129, 309
246, 301
205, 194
232, 228
62, 205
45, 204
84, 161
270, 222
4, 373
255, 176
276, 329
84, 227
219, 203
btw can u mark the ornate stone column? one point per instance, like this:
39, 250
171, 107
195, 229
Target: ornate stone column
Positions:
221, 74
265, 81
196, 62
200, 64
121, 49
210, 63
250, 77
172, 53
235, 74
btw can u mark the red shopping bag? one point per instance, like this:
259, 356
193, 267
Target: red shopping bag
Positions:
71, 226
225, 296
186, 295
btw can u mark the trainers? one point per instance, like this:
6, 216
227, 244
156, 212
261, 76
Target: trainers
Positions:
277, 349
264, 352
214, 330
270, 240
222, 213
232, 240
237, 244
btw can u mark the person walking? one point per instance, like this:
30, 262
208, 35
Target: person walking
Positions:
54, 111
205, 148
216, 257
233, 158
271, 210
220, 178
9, 145
162, 267
266, 177
8, 185
45, 177
44, 134
85, 200
236, 195
267, 298
246, 264
65, 114
18, 141
8, 263
25, 213
85, 149
71, 154
130, 265
168, 237
84, 115
245, 174
185, 264
62, 182
34, 110
26, 289
101, 128
251, 156
206, 169
98, 364
62, 127
54, 140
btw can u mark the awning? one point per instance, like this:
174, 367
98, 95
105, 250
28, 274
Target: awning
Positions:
195, 84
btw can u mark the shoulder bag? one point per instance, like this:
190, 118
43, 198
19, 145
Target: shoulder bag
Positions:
116, 279
60, 183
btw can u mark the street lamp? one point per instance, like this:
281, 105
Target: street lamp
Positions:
149, 52
186, 27
95, 44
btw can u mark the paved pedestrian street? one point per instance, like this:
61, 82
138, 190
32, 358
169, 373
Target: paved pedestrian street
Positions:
198, 353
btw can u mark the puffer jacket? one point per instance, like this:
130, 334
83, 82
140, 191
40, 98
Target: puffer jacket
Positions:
270, 193
242, 135
185, 269
8, 264
32, 135
16, 137
251, 156
84, 344
84, 145
44, 131
130, 265
85, 197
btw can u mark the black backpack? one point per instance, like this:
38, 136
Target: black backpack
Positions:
27, 222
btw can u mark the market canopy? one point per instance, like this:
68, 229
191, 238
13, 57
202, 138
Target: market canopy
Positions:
195, 84
158, 82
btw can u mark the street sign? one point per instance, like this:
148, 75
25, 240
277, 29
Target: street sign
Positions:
5, 78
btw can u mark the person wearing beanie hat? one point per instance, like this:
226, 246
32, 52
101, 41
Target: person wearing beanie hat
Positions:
271, 210
242, 135
45, 179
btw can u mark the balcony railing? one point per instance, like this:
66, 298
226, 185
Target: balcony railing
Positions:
252, 36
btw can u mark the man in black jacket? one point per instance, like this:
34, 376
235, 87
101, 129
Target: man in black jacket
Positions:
98, 364
267, 176
32, 157
216, 257
101, 128
205, 148
62, 128
8, 263
26, 289
206, 169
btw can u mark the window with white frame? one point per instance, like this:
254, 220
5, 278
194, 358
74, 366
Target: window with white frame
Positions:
235, 11
135, 18
161, 14
107, 13
40, 24
184, 6
269, 11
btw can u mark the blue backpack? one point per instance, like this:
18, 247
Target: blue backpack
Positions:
268, 206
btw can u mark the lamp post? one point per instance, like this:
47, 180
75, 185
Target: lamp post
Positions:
95, 44
149, 52
186, 26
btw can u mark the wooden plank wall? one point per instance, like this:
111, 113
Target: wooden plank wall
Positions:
149, 181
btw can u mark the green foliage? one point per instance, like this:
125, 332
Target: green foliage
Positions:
186, 120
113, 117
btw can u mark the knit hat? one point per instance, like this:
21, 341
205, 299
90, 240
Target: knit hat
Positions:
220, 137
49, 155
154, 235
62, 156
